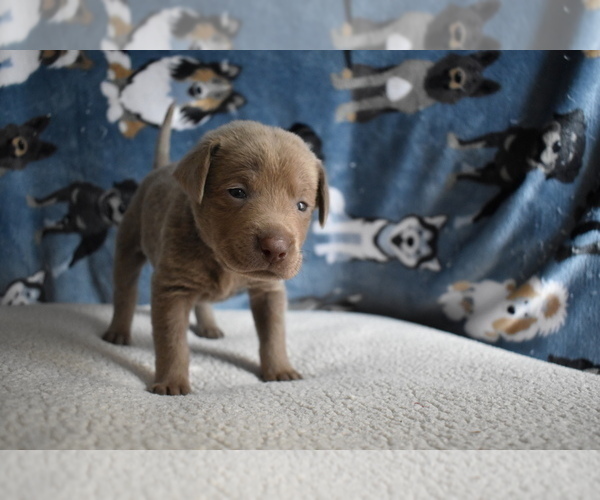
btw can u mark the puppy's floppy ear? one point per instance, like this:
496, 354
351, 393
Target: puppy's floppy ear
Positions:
322, 195
193, 168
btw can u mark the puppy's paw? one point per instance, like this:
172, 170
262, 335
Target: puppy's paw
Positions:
281, 375
179, 387
208, 333
118, 337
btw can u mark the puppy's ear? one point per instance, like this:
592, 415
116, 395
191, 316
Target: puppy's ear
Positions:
193, 168
322, 195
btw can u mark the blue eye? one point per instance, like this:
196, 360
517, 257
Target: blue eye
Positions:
302, 206
238, 193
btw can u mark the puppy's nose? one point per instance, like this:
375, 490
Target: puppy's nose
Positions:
275, 248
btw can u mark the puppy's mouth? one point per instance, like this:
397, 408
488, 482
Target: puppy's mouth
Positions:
256, 270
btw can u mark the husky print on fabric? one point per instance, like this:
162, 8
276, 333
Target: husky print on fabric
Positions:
168, 29
556, 149
412, 240
91, 212
25, 291
21, 145
413, 85
494, 310
584, 239
16, 66
19, 17
141, 97
454, 28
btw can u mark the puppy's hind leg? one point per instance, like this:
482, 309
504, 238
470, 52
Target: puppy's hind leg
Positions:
206, 325
129, 261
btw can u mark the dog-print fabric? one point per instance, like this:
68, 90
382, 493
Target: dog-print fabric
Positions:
464, 185
293, 25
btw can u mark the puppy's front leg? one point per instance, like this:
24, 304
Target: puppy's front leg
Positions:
268, 308
170, 320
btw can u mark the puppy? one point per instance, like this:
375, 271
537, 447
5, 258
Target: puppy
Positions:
231, 215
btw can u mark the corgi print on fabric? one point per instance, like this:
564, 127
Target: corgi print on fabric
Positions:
493, 310
167, 29
140, 97
19, 17
413, 85
454, 28
411, 241
16, 66
20, 144
556, 149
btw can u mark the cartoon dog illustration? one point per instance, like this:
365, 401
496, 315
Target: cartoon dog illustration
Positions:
92, 211
16, 66
556, 149
413, 85
18, 18
495, 310
455, 28
412, 240
20, 144
25, 291
141, 97
173, 28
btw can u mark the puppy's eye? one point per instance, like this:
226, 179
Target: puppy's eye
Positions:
238, 193
556, 147
302, 206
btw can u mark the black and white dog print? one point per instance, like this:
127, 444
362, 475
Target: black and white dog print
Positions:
141, 97
25, 291
587, 224
556, 149
91, 212
16, 66
310, 137
413, 240
413, 85
454, 28
21, 144
171, 28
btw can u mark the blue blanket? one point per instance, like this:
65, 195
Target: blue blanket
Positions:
464, 185
306, 24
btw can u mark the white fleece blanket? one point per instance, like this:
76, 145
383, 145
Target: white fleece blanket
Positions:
369, 383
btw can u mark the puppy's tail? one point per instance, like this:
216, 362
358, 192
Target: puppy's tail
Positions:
162, 153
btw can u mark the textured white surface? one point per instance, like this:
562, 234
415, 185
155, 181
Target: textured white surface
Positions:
370, 383
330, 475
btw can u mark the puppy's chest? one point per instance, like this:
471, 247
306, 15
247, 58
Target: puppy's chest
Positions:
220, 287
212, 283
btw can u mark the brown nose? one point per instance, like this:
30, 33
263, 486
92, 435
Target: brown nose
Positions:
274, 248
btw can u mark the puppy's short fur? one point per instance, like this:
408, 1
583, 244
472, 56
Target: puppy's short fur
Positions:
231, 215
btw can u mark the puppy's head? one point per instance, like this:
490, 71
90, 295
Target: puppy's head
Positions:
253, 189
